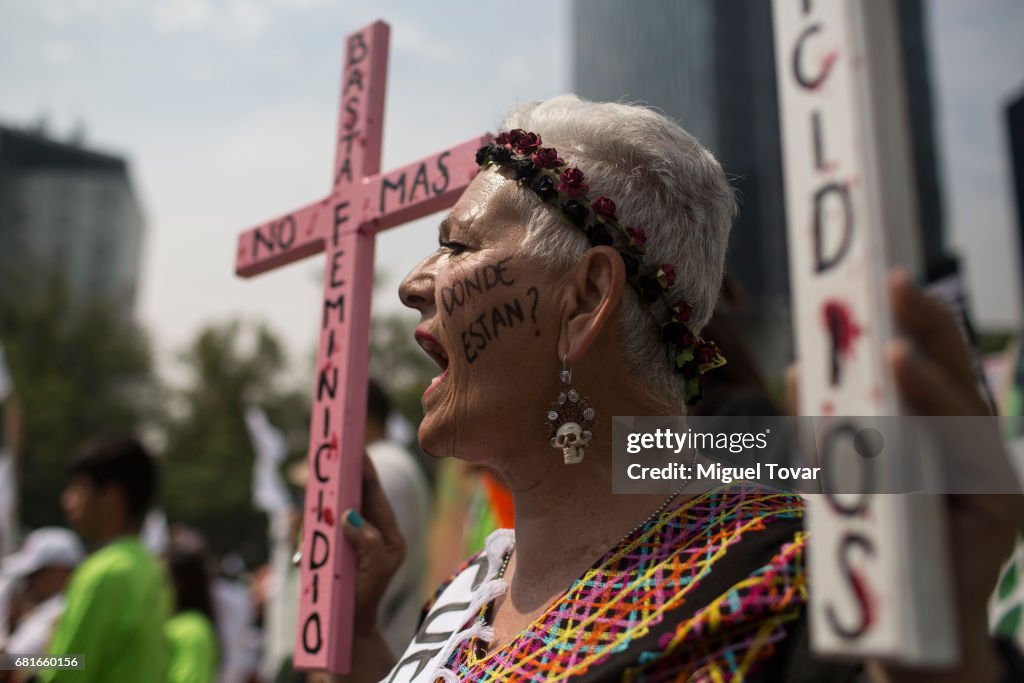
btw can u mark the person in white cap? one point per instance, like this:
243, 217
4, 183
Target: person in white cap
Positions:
38, 574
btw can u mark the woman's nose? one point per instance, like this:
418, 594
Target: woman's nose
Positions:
417, 289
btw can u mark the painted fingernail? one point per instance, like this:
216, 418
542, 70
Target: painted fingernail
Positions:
353, 518
913, 280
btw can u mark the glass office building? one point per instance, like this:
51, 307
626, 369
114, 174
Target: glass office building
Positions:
69, 211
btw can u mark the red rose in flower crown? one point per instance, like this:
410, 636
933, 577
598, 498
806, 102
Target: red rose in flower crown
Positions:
527, 143
547, 157
637, 235
514, 136
603, 206
706, 353
667, 275
572, 181
683, 312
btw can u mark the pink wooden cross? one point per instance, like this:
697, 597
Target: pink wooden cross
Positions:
361, 203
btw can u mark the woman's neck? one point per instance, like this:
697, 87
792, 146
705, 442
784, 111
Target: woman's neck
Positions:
563, 527
566, 516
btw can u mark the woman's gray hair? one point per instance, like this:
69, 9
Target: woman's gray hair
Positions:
661, 179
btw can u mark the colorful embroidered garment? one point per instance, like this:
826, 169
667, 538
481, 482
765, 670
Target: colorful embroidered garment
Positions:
706, 592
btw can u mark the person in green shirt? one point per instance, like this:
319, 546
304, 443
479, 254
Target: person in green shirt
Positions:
191, 634
118, 599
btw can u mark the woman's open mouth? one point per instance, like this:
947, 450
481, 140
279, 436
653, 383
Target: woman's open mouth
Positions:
433, 348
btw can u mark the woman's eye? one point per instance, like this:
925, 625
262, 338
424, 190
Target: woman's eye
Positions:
453, 248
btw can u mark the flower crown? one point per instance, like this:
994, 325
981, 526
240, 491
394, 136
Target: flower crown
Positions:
555, 182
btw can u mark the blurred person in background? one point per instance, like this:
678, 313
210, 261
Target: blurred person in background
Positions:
191, 632
33, 595
118, 598
237, 627
408, 492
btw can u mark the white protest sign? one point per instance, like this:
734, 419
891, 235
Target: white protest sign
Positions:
880, 586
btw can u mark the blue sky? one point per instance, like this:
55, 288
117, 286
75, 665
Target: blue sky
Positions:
227, 109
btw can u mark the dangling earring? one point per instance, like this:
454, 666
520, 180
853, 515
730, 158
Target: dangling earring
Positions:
571, 420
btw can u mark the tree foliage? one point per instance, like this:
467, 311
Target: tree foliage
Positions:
208, 458
79, 369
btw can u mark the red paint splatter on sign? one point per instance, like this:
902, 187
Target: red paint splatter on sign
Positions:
866, 599
826, 65
838, 321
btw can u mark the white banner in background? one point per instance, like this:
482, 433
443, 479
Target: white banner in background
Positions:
6, 385
269, 493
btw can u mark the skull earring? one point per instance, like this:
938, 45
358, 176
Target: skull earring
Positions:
570, 420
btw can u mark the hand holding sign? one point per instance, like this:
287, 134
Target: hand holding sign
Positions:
933, 372
379, 548
939, 379
931, 366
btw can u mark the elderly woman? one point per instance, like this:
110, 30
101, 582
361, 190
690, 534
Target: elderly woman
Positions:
571, 283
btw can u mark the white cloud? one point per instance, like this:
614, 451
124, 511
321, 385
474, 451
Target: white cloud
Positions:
231, 20
72, 12
55, 12
416, 42
57, 52
182, 15
301, 4
246, 19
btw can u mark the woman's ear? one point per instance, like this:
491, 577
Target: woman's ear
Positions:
593, 291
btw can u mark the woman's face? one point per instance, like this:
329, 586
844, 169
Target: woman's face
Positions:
489, 318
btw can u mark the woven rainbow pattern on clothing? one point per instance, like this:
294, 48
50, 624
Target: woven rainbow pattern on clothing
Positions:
637, 585
727, 639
